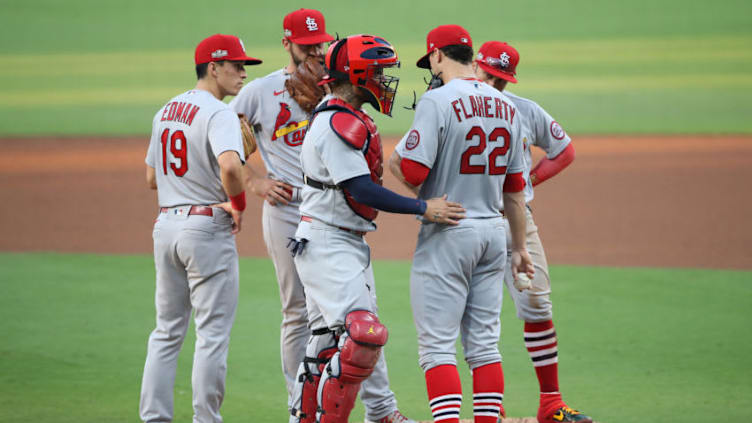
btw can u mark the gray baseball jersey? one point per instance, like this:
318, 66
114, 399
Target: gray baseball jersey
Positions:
195, 256
280, 125
541, 130
329, 160
188, 134
468, 133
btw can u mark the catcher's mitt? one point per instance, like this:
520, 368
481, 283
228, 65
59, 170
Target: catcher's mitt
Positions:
303, 84
249, 138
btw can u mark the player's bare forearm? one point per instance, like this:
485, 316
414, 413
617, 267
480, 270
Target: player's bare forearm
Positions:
394, 167
514, 209
231, 173
151, 177
252, 174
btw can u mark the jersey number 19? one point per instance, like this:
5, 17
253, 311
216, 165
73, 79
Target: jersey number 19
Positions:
179, 151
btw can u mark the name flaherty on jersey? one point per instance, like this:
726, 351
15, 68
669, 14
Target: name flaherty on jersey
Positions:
483, 106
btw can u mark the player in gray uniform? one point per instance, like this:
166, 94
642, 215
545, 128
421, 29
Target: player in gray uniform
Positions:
342, 162
496, 64
465, 141
195, 161
280, 125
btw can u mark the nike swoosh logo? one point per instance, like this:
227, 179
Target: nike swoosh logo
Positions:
279, 92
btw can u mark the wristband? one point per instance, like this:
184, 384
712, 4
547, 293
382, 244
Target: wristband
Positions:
238, 201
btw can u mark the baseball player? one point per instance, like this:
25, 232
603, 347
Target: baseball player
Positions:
465, 141
496, 64
195, 162
280, 123
341, 160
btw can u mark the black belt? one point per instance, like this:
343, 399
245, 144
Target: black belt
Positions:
318, 185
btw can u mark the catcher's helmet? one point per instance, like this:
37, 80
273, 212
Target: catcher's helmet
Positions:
361, 59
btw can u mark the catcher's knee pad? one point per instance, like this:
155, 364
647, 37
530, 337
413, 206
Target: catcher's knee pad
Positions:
321, 347
359, 351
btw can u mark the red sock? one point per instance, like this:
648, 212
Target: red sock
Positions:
540, 341
444, 393
488, 393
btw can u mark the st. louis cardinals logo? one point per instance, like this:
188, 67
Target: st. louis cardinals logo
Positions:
291, 131
557, 131
282, 117
311, 24
413, 139
504, 59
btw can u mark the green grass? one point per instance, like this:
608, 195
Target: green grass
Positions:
635, 344
670, 66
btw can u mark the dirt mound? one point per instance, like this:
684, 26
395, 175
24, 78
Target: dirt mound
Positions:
625, 201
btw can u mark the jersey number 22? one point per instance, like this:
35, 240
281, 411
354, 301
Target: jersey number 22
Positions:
475, 150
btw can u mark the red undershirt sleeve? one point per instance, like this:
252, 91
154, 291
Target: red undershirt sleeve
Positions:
514, 182
547, 168
415, 173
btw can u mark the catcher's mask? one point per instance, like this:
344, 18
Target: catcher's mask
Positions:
361, 59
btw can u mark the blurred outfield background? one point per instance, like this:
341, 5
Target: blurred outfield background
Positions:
638, 345
667, 66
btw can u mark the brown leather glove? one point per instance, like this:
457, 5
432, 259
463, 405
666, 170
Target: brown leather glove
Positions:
249, 138
303, 84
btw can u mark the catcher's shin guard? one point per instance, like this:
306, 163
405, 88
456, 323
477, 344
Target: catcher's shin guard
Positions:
321, 347
359, 351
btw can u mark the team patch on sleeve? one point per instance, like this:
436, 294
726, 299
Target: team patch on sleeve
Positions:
557, 131
413, 139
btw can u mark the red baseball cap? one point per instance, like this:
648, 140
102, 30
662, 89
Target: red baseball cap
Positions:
442, 36
499, 59
306, 26
220, 47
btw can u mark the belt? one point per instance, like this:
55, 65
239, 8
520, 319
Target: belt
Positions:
194, 210
358, 233
295, 196
318, 185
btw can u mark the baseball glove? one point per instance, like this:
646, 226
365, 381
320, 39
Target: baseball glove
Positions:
249, 138
303, 84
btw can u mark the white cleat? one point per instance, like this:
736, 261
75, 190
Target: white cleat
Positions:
393, 417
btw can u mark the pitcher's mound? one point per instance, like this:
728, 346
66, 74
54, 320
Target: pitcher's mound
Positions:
507, 420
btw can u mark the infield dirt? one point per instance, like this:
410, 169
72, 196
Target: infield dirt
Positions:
675, 201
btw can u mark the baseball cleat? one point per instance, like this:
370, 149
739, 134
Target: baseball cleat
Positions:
563, 414
393, 417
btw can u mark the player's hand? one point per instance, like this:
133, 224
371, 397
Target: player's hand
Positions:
275, 192
439, 210
522, 263
237, 215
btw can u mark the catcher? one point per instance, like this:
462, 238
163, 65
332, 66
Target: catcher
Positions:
278, 108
